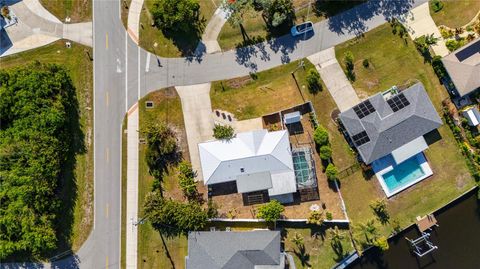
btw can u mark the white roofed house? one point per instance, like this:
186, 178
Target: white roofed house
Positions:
255, 161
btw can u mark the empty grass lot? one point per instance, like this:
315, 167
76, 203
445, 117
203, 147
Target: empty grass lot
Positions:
394, 61
179, 44
231, 37
76, 223
456, 13
77, 10
153, 252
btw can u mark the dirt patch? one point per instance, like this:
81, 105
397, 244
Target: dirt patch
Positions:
237, 83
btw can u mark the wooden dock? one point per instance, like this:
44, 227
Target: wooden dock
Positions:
426, 223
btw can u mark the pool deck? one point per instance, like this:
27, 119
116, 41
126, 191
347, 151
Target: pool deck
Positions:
385, 167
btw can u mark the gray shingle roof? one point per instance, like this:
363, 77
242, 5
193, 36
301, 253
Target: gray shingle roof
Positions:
233, 250
388, 130
463, 66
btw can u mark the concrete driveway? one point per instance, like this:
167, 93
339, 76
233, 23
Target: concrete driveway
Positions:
419, 22
337, 83
197, 115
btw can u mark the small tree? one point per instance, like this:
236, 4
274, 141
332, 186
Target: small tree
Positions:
223, 132
320, 136
316, 217
176, 15
276, 12
186, 179
436, 5
379, 207
313, 81
325, 152
297, 239
365, 63
331, 172
348, 60
270, 211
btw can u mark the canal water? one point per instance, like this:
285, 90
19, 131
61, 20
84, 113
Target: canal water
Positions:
457, 239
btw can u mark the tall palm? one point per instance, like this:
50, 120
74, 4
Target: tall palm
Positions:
368, 229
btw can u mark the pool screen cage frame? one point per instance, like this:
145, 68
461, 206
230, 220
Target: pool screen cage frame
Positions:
312, 176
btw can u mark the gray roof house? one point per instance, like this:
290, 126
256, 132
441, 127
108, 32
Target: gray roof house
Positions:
234, 250
463, 67
391, 123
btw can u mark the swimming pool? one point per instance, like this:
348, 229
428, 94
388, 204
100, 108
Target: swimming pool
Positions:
395, 178
304, 167
402, 174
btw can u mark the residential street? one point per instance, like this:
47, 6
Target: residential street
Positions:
123, 73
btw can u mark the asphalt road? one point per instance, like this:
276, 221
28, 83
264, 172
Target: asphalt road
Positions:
123, 73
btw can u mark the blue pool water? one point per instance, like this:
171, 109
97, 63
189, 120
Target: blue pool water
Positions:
403, 174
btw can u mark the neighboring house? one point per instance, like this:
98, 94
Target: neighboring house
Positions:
463, 67
388, 129
235, 250
472, 115
255, 161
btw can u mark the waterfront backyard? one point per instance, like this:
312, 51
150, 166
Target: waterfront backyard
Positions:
394, 61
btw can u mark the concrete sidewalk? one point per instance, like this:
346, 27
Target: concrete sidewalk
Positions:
133, 21
212, 30
132, 187
419, 22
337, 83
197, 114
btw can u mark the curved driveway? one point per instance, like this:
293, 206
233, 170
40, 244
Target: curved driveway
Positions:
123, 73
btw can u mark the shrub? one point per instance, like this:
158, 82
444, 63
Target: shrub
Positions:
325, 152
331, 172
313, 81
437, 5
316, 217
396, 226
454, 44
381, 243
366, 63
186, 179
329, 215
348, 60
222, 132
438, 67
270, 211
320, 136
446, 33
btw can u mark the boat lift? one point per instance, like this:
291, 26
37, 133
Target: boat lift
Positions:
422, 245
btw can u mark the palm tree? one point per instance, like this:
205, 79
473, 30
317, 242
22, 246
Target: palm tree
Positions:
368, 230
297, 239
336, 235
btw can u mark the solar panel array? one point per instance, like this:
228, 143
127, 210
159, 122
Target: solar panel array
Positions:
364, 109
361, 138
398, 102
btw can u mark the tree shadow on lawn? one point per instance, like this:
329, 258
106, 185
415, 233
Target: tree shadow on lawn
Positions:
353, 21
68, 182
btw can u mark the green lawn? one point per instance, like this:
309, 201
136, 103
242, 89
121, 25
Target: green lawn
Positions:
318, 249
273, 90
124, 13
177, 45
77, 10
153, 252
456, 13
231, 37
396, 62
77, 195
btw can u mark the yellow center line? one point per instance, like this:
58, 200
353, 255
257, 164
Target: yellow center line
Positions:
107, 98
106, 262
107, 154
106, 41
107, 207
